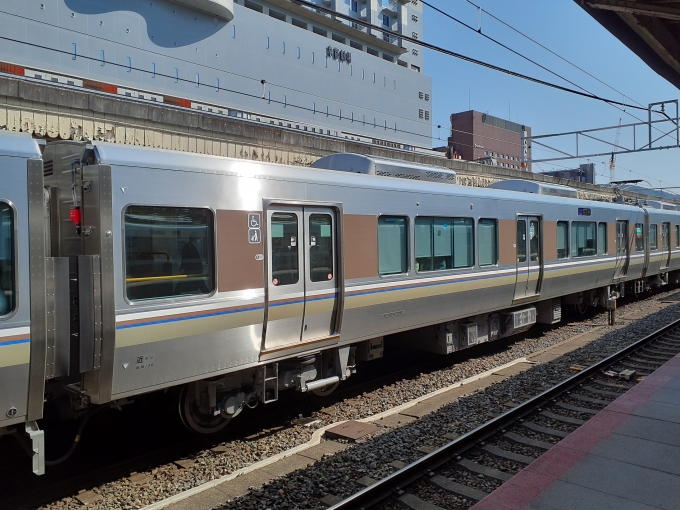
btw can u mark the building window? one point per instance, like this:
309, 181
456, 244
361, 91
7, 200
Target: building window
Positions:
354, 6
415, 68
583, 239
278, 15
386, 20
338, 38
320, 31
601, 238
253, 6
392, 245
7, 260
298, 23
168, 252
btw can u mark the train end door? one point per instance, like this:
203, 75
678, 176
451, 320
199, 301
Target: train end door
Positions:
529, 246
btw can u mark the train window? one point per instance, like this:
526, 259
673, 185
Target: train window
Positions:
487, 232
677, 236
444, 243
321, 247
521, 241
562, 239
653, 238
665, 236
583, 239
168, 252
639, 237
601, 238
285, 257
7, 263
392, 245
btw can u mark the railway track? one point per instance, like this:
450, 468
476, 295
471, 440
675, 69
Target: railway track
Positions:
469, 467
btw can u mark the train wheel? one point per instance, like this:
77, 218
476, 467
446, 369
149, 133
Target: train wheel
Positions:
326, 390
197, 420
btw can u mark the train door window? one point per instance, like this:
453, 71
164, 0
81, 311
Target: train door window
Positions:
487, 234
562, 239
665, 234
423, 248
521, 241
392, 245
534, 240
168, 252
653, 238
601, 238
583, 239
639, 237
321, 267
285, 259
7, 262
677, 236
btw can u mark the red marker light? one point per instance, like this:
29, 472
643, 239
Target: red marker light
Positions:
74, 216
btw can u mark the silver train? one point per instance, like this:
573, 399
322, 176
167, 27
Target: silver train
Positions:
126, 270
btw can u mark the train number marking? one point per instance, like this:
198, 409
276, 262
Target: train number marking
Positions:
391, 314
143, 362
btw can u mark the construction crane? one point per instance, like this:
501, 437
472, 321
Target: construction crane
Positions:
612, 160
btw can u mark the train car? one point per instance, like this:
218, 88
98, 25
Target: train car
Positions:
233, 280
23, 335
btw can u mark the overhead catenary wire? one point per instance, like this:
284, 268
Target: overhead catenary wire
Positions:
465, 58
479, 31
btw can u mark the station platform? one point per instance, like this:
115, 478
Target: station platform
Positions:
626, 457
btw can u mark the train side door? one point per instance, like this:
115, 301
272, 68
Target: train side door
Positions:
665, 245
302, 275
622, 249
529, 257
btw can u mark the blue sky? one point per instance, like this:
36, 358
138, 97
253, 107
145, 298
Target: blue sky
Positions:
566, 29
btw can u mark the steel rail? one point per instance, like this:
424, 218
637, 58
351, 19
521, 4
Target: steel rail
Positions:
384, 488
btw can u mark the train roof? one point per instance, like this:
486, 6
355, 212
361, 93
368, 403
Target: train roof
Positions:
18, 145
538, 188
144, 157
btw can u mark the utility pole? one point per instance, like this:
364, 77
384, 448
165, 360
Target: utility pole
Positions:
612, 161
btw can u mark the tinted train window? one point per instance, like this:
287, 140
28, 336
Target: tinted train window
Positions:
601, 238
639, 237
562, 239
665, 235
487, 232
583, 239
7, 277
285, 258
392, 245
653, 239
534, 240
677, 236
444, 243
168, 252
